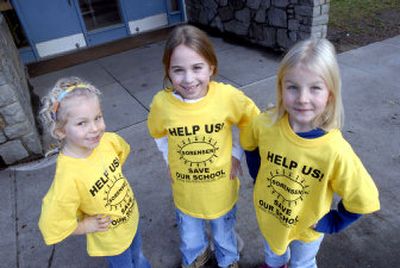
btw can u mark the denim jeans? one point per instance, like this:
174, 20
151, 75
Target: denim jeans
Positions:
194, 240
132, 257
299, 254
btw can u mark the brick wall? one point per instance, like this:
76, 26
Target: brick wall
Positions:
276, 24
19, 138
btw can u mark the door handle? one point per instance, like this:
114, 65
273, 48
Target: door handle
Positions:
69, 2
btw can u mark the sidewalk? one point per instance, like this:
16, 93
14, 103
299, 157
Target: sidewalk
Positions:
371, 95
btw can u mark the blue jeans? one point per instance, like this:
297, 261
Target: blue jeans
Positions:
194, 240
132, 257
300, 254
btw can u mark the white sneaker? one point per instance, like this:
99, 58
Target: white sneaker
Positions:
240, 242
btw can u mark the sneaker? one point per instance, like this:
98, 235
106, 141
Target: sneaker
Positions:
240, 243
233, 265
200, 260
264, 265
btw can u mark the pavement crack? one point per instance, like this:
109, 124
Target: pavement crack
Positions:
50, 262
14, 185
127, 90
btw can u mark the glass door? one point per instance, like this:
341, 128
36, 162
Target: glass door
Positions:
102, 20
99, 13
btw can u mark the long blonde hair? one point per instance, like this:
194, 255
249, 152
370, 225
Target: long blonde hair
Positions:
318, 55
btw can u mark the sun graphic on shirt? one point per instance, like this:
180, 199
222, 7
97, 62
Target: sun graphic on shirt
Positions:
118, 194
198, 151
286, 187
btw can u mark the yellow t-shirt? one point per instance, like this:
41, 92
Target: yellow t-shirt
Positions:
91, 186
298, 178
200, 146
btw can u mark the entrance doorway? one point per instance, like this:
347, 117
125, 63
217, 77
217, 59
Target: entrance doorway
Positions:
102, 20
100, 13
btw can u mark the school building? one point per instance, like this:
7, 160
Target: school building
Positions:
34, 31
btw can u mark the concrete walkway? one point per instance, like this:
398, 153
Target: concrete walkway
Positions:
371, 94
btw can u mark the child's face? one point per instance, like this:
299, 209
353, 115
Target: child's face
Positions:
189, 73
84, 127
305, 96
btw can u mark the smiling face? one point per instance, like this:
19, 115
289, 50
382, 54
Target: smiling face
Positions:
189, 73
305, 96
84, 126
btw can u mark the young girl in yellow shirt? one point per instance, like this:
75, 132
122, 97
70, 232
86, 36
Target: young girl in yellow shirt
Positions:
305, 160
89, 194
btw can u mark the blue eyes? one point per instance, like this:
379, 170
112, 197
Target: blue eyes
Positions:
316, 88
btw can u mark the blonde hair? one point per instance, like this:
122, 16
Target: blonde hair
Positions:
53, 114
193, 38
318, 55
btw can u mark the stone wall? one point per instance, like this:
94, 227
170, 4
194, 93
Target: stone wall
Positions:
275, 24
19, 138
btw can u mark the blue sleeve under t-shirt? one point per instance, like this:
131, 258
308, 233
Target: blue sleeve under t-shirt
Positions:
335, 220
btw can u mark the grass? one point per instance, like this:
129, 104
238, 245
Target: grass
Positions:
358, 15
355, 23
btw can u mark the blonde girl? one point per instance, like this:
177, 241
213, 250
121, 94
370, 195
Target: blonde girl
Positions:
192, 123
305, 160
89, 194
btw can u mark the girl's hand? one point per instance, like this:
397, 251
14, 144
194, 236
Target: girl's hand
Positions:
92, 224
236, 168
